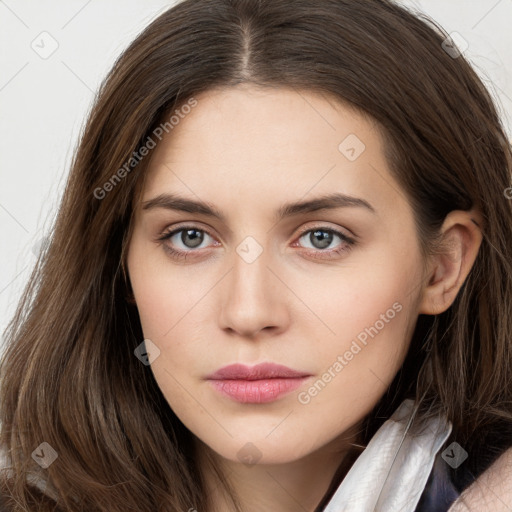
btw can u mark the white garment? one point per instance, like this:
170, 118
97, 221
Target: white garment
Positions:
392, 471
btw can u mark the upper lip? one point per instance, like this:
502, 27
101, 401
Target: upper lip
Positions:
258, 372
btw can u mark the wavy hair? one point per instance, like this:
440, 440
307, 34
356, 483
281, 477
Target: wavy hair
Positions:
69, 376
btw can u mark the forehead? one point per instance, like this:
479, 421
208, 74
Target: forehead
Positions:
275, 143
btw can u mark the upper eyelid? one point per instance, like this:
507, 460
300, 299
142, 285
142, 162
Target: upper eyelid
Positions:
327, 228
171, 232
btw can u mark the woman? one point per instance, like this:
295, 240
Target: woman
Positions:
279, 279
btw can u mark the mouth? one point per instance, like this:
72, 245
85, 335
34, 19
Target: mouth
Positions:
262, 383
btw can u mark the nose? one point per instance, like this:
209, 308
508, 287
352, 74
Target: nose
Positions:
253, 298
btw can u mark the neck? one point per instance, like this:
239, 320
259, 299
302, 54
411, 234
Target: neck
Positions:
299, 485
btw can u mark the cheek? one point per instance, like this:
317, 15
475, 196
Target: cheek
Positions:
352, 298
172, 303
368, 314
167, 301
164, 292
372, 313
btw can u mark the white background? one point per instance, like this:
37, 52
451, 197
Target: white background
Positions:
44, 102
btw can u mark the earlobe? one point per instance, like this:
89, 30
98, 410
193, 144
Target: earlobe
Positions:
449, 268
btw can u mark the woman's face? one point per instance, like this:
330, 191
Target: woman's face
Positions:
267, 270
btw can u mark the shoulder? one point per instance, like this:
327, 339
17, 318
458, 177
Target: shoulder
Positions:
491, 491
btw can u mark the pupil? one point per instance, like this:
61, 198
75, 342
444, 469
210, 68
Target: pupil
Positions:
196, 240
324, 241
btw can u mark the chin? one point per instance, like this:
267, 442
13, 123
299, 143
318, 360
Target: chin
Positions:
259, 452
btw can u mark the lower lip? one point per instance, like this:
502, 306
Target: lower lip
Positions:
257, 391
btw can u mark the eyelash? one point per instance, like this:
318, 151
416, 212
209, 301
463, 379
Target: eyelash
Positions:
346, 245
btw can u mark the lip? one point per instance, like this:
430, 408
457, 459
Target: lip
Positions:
263, 383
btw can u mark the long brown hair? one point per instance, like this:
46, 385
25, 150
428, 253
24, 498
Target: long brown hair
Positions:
69, 376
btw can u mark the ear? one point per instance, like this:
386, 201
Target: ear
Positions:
461, 239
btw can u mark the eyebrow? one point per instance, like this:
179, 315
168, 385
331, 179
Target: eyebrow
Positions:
326, 202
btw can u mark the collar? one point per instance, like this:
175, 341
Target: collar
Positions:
392, 471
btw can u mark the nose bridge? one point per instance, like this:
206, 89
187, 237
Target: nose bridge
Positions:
250, 250
252, 300
250, 274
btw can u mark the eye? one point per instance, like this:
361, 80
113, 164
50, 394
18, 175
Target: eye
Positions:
185, 238
185, 241
321, 238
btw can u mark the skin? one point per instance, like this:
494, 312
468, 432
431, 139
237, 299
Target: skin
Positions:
492, 491
247, 151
